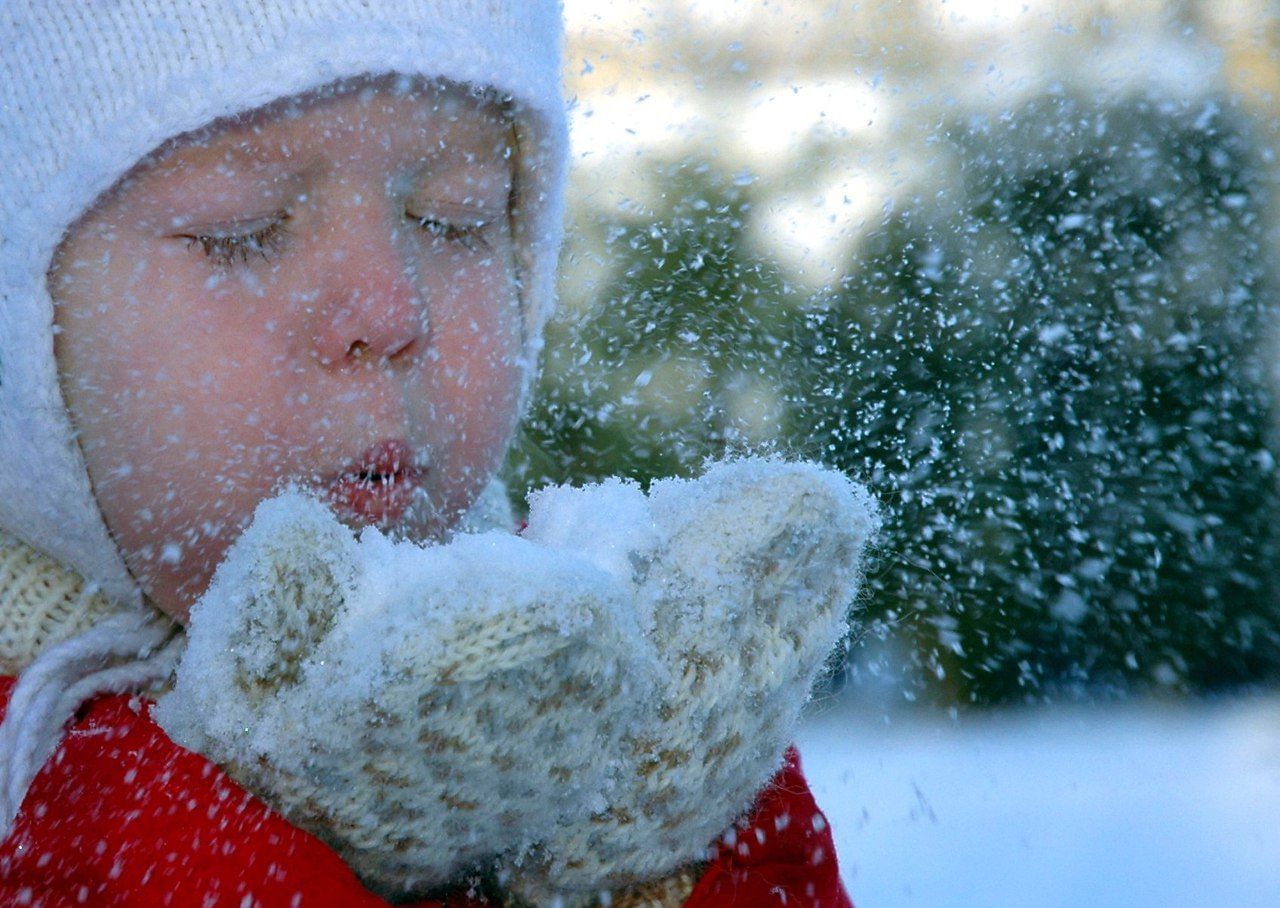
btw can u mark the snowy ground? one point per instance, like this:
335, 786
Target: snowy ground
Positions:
1118, 806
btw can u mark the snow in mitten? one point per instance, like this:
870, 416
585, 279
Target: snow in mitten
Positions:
746, 576
420, 709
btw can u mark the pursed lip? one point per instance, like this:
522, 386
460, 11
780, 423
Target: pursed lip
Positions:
379, 486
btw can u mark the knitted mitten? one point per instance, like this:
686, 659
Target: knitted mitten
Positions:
744, 577
420, 709
592, 704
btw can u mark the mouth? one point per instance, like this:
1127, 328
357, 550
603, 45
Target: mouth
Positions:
378, 487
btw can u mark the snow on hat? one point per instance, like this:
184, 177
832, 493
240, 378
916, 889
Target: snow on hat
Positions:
87, 89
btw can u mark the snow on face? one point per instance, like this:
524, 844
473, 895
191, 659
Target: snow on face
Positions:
321, 292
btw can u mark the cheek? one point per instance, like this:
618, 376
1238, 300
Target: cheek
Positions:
182, 407
478, 376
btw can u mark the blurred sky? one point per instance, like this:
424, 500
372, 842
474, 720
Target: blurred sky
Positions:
831, 107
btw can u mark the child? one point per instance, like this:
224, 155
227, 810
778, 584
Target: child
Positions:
307, 241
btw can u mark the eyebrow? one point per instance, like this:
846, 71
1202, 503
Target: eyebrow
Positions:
207, 154
427, 156
443, 166
171, 191
260, 154
239, 152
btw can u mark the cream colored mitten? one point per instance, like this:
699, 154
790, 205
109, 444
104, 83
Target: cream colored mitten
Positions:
745, 577
592, 704
420, 709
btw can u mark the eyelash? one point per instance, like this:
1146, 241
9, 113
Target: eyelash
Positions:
228, 250
232, 249
469, 236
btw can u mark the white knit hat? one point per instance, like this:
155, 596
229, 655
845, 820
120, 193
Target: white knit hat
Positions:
89, 87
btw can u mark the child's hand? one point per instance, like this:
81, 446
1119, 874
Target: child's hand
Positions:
744, 577
422, 710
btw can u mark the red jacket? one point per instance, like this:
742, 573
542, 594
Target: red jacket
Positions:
122, 816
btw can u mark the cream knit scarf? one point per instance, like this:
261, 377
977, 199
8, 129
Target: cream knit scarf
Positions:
41, 603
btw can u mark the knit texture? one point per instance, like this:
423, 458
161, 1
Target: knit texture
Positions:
591, 709
88, 89
98, 828
70, 642
669, 892
327, 711
747, 582
41, 603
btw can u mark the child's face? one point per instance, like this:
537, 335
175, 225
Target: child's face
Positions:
325, 292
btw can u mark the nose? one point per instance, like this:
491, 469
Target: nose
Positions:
370, 305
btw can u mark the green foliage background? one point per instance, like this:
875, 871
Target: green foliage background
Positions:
1053, 371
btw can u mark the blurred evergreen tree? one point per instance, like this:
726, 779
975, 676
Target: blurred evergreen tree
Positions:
1053, 372
683, 348
1051, 366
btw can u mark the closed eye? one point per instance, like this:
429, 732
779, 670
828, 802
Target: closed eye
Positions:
237, 246
470, 236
